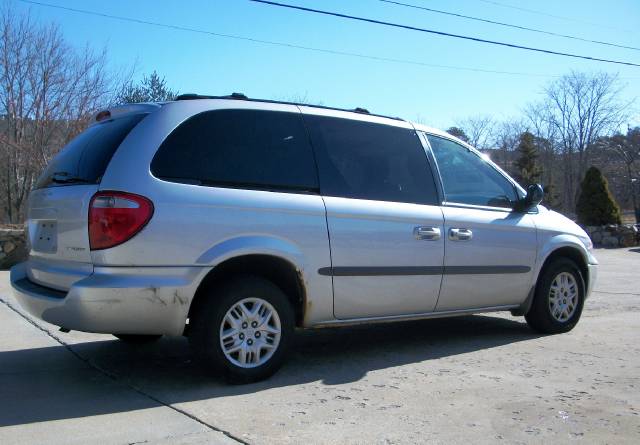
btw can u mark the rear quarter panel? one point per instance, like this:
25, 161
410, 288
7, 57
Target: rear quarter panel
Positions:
201, 227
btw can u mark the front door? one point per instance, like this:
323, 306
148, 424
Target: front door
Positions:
385, 225
490, 250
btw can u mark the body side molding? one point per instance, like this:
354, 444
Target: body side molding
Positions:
354, 271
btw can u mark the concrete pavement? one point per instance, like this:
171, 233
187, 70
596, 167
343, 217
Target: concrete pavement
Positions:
484, 379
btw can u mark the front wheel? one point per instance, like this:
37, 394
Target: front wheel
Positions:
559, 298
243, 329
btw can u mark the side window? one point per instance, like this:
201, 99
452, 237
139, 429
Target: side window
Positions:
239, 148
365, 160
467, 178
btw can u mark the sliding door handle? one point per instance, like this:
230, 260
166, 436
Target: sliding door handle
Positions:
427, 233
460, 234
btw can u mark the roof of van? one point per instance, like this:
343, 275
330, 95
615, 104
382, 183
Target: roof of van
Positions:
240, 96
358, 110
148, 107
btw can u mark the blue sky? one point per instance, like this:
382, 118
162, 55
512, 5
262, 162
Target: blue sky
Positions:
437, 96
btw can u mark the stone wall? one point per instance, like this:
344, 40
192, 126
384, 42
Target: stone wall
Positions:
12, 247
624, 235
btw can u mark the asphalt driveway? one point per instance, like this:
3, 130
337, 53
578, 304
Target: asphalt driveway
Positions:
479, 379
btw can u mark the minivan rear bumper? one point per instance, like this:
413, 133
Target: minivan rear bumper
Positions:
114, 300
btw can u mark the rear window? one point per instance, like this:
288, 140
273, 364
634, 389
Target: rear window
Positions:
85, 159
255, 149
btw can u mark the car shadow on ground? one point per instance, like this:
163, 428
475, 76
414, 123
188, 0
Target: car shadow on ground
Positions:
46, 384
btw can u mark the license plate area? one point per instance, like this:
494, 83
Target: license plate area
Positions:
46, 237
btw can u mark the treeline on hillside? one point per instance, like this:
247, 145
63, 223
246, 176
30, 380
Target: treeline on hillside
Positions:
581, 121
49, 90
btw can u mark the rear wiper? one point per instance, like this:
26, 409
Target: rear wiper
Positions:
66, 178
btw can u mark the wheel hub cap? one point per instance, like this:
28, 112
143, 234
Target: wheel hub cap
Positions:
563, 296
250, 332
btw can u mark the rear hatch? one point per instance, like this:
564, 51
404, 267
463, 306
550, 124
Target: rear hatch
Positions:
58, 208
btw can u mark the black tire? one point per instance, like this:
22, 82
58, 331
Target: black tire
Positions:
137, 338
540, 317
205, 326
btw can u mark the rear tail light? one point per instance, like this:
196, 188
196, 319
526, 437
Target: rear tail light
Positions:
115, 217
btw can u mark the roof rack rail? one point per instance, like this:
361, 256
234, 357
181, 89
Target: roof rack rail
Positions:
192, 96
240, 96
188, 96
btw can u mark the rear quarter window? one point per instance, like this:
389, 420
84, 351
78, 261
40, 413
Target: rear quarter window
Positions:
254, 149
85, 158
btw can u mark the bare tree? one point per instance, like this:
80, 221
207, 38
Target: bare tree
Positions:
47, 91
577, 109
479, 130
299, 98
505, 137
537, 121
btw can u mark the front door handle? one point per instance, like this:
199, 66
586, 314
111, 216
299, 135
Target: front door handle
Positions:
460, 234
427, 233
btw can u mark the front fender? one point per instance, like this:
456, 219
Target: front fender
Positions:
560, 241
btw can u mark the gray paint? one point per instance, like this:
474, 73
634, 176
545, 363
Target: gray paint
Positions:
147, 284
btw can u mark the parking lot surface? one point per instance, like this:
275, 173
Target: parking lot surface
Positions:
478, 379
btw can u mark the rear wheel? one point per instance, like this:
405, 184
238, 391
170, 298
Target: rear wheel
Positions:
137, 338
243, 329
559, 298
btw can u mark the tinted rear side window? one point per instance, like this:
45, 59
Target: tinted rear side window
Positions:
85, 158
239, 148
371, 161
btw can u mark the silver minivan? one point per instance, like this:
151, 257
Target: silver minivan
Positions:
233, 221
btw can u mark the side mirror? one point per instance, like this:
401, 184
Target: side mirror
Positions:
535, 193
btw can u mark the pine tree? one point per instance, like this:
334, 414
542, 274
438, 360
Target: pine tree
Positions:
596, 206
459, 133
153, 88
551, 197
528, 169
